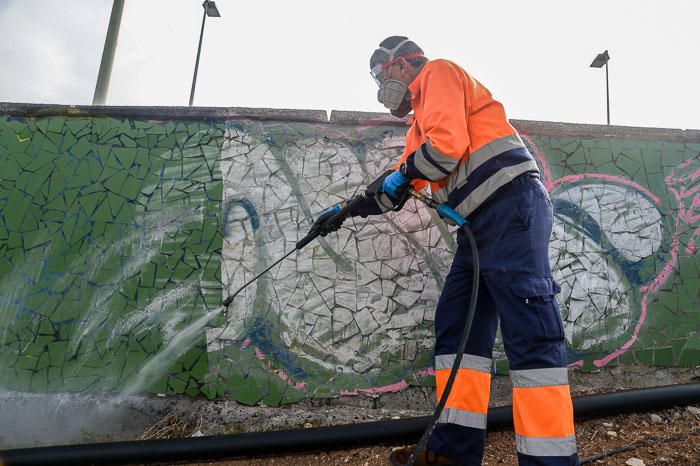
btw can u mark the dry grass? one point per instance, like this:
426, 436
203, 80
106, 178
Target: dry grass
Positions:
172, 427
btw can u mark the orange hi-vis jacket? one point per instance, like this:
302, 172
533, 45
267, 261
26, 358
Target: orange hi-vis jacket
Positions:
460, 139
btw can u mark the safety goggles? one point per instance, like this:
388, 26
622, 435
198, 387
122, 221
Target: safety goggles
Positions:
378, 70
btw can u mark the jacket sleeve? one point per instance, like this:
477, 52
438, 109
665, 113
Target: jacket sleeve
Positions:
377, 205
444, 121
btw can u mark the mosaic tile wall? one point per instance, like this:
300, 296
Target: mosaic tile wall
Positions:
119, 238
110, 243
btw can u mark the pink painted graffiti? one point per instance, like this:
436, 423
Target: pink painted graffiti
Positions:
686, 189
646, 290
688, 200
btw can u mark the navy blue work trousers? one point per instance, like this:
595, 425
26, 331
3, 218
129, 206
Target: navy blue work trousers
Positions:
512, 232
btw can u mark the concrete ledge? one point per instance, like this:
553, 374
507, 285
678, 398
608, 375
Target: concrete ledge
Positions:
344, 117
163, 113
337, 117
552, 128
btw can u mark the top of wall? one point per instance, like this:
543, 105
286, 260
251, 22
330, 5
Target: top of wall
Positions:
337, 117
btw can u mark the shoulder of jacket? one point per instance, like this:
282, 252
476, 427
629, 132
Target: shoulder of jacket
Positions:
435, 71
442, 67
441, 63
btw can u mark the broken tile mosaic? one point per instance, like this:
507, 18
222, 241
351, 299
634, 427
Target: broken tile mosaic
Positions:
119, 237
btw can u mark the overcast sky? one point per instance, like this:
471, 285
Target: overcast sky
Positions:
534, 56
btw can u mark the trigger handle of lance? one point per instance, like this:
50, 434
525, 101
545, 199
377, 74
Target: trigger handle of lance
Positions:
344, 211
443, 210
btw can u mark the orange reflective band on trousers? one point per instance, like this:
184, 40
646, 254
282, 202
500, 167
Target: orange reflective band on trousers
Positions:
470, 391
543, 411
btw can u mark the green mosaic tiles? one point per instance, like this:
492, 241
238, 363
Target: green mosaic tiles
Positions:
624, 247
110, 243
120, 236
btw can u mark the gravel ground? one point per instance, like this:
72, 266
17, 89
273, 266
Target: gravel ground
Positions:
670, 437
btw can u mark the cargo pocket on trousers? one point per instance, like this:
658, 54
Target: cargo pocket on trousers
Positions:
539, 311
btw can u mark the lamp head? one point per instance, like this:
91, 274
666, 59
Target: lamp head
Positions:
600, 60
210, 9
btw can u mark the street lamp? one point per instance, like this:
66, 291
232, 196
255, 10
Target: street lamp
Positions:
209, 10
598, 62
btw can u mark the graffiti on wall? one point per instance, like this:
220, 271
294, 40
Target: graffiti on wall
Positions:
357, 308
351, 311
121, 236
616, 250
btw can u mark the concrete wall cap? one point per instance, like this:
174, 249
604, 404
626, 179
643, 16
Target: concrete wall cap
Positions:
337, 117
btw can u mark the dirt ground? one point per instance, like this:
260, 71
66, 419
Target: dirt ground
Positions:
670, 437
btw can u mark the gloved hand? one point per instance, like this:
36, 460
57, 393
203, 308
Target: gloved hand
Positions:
321, 225
395, 184
380, 201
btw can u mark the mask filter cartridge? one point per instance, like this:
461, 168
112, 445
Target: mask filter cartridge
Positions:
392, 93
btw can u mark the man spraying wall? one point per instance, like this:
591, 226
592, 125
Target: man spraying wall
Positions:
461, 144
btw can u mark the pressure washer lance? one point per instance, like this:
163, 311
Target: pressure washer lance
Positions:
345, 210
447, 213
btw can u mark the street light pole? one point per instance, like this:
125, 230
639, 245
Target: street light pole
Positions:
598, 62
209, 10
607, 90
196, 63
105, 73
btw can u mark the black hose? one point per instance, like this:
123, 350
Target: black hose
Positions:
341, 214
323, 438
460, 349
645, 443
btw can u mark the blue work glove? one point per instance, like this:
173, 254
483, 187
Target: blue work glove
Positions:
395, 184
322, 227
375, 204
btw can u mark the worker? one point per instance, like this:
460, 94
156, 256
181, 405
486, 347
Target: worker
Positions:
461, 144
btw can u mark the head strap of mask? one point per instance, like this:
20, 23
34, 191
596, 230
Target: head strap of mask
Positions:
392, 51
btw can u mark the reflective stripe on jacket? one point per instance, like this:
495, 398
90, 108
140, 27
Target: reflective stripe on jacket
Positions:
460, 139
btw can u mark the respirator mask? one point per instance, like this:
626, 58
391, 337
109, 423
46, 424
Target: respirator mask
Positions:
392, 93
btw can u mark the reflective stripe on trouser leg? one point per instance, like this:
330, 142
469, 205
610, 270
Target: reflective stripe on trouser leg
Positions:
462, 444
543, 414
468, 402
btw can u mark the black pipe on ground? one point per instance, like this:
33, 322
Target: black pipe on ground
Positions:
323, 438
